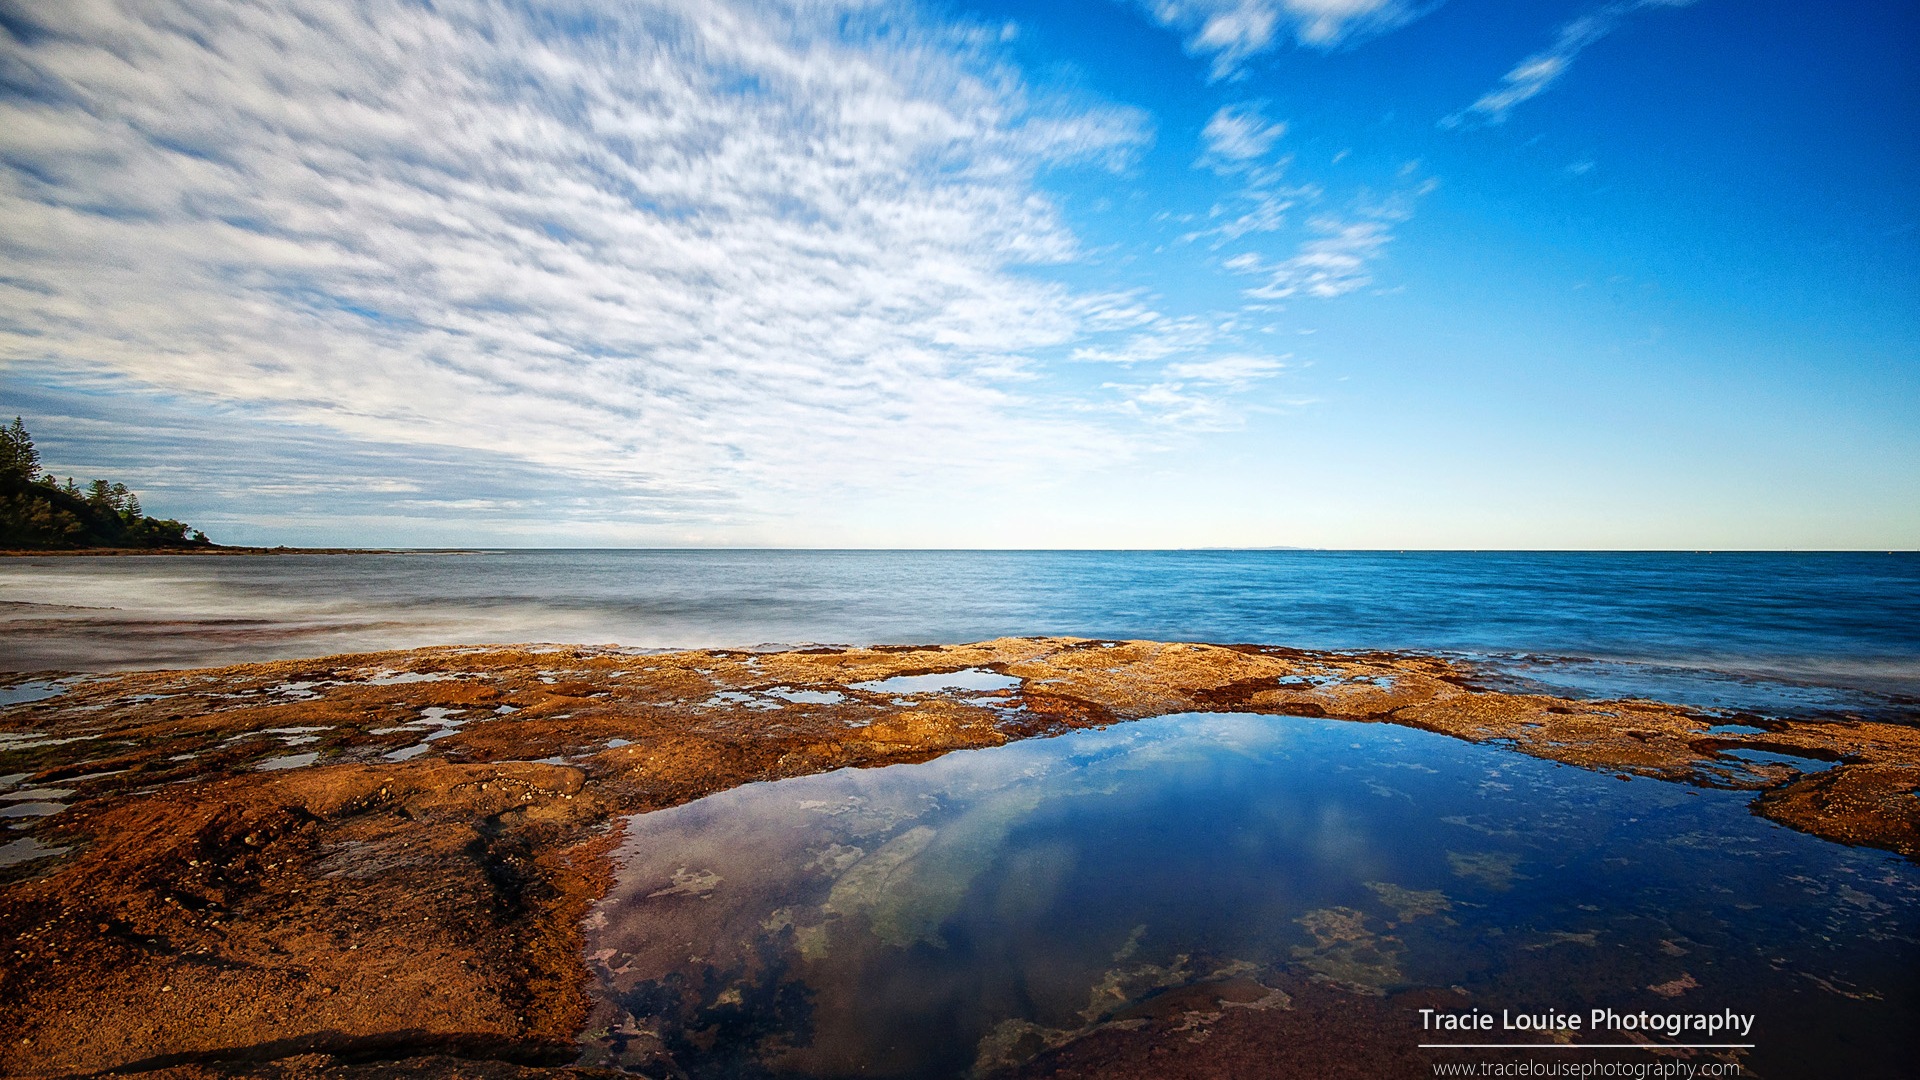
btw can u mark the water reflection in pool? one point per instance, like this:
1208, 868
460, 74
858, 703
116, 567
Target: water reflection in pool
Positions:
961, 915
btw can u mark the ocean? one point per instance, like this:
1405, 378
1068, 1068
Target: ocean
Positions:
1768, 632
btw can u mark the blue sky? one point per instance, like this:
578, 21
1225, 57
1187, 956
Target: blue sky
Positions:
1341, 273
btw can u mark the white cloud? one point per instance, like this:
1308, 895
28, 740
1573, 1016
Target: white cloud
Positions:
707, 250
1256, 207
1535, 74
1159, 339
1182, 374
1186, 372
1205, 394
1126, 310
1237, 133
1226, 370
1230, 31
1237, 138
1333, 262
1337, 255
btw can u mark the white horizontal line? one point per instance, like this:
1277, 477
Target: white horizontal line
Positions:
1586, 1046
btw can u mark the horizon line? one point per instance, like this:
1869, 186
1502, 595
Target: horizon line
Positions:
482, 548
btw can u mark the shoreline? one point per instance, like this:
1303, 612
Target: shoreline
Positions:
206, 909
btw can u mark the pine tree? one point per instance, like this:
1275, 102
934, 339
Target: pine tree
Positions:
18, 458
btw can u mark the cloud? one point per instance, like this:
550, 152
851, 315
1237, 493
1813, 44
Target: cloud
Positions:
244, 481
1537, 73
1205, 395
1337, 253
1125, 310
1226, 370
1188, 372
1237, 133
1237, 138
1332, 263
1257, 207
1231, 31
1161, 338
702, 250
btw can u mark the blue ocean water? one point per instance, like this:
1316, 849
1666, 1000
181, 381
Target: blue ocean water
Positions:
1772, 631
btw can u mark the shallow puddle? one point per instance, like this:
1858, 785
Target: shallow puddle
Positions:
389, 678
37, 793
977, 680
26, 849
1768, 757
807, 697
30, 690
949, 918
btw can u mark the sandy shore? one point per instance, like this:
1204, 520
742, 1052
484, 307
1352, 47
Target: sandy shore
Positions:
199, 896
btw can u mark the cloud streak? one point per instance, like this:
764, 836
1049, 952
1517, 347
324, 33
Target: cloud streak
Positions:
1333, 262
1236, 134
1199, 395
690, 249
1337, 253
1537, 73
1230, 32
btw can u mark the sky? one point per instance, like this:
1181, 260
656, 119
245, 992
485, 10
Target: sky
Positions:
1074, 273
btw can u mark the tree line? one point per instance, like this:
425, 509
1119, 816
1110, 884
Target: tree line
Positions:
38, 511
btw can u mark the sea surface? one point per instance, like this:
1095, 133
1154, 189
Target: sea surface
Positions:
1780, 633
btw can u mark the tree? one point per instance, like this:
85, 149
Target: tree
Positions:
27, 522
40, 512
18, 458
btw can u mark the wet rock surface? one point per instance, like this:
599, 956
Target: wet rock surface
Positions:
203, 897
